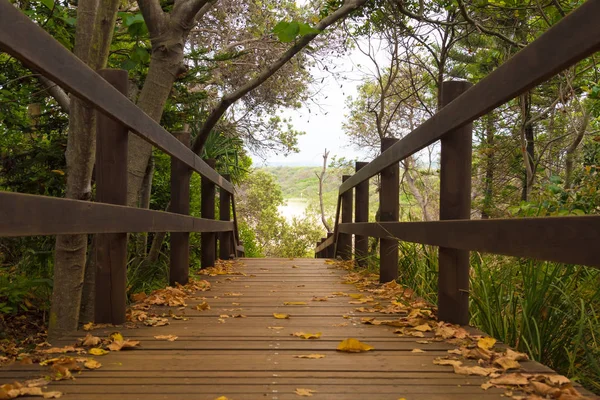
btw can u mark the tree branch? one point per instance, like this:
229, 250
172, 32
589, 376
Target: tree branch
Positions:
61, 97
266, 73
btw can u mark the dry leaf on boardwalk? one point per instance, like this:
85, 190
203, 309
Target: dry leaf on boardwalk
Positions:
486, 343
90, 341
305, 392
352, 345
506, 363
156, 321
97, 351
275, 328
170, 338
281, 315
446, 361
202, 306
294, 303
307, 335
92, 364
417, 351
222, 398
311, 356
474, 370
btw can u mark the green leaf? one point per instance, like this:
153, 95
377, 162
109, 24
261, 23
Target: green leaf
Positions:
142, 54
128, 65
48, 3
286, 31
134, 19
305, 29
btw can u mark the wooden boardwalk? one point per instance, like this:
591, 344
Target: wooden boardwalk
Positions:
242, 358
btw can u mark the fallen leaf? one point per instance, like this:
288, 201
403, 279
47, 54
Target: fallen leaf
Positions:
319, 298
514, 379
90, 340
97, 351
417, 351
138, 296
119, 345
170, 338
422, 328
202, 306
352, 345
545, 390
307, 335
156, 321
222, 398
446, 361
275, 328
281, 315
515, 355
506, 363
486, 343
474, 370
92, 364
305, 392
294, 303
311, 356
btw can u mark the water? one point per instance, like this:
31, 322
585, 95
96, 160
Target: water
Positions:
293, 208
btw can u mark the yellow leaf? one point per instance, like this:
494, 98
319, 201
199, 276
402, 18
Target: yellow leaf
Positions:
281, 315
222, 398
275, 328
352, 345
116, 337
97, 351
305, 392
346, 316
311, 356
307, 335
58, 171
417, 351
92, 364
486, 343
202, 306
88, 327
355, 295
294, 303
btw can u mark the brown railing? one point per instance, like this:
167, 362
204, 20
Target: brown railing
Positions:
108, 217
572, 240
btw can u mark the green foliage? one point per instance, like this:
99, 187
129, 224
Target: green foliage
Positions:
21, 293
288, 31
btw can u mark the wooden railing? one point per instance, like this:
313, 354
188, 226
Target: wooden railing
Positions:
109, 217
572, 240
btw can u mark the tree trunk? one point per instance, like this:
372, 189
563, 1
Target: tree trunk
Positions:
95, 25
527, 146
414, 190
571, 150
321, 176
489, 167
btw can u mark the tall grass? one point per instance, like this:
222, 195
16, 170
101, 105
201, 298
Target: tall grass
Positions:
550, 311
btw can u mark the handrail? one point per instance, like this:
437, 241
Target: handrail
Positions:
29, 43
571, 240
575, 37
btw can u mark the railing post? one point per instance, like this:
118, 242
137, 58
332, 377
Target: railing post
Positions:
389, 203
361, 214
328, 253
180, 204
344, 246
111, 187
319, 254
225, 238
455, 203
207, 210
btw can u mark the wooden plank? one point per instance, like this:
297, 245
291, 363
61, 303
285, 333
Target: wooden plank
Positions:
344, 241
225, 239
574, 38
389, 210
29, 43
455, 203
361, 214
325, 244
180, 203
111, 187
570, 240
31, 215
208, 240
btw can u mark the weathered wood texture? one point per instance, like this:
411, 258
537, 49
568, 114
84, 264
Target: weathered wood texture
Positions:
29, 215
389, 211
225, 238
361, 214
242, 358
455, 203
111, 187
208, 240
29, 43
180, 204
344, 244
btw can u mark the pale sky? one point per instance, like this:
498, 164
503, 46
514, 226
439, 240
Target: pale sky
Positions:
323, 125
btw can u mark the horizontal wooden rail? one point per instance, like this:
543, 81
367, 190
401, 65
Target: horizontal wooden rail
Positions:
575, 37
571, 240
29, 43
29, 215
330, 240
